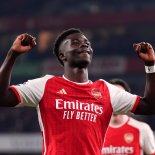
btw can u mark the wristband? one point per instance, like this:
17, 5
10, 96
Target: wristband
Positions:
150, 69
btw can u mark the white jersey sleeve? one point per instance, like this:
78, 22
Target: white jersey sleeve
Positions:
147, 139
31, 92
122, 101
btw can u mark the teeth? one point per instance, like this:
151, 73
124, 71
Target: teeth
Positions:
85, 51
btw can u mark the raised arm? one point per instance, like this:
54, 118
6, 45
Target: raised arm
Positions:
22, 44
147, 103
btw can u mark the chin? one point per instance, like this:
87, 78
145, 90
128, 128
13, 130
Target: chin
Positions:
81, 64
84, 64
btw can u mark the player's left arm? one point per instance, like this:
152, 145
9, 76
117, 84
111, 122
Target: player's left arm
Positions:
146, 53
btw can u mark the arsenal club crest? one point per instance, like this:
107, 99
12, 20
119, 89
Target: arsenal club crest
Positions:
129, 137
96, 93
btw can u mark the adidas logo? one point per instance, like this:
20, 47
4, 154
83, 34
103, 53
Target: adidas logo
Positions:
62, 91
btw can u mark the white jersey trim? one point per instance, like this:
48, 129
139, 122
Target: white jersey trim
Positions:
83, 83
121, 100
32, 91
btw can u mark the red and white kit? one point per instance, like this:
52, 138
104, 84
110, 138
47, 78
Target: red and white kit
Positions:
131, 138
73, 116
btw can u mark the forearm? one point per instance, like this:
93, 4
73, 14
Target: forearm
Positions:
149, 95
146, 53
147, 103
5, 72
22, 44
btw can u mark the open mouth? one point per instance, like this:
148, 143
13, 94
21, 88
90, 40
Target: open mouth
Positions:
85, 51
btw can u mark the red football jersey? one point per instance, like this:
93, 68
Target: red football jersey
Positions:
73, 116
131, 138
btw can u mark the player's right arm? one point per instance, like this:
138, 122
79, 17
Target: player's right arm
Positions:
22, 44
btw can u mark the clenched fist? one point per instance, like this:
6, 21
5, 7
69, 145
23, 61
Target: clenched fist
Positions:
145, 52
23, 43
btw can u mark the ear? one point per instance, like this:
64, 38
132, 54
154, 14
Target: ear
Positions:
62, 57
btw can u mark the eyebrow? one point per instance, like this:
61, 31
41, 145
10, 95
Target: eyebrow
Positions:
65, 41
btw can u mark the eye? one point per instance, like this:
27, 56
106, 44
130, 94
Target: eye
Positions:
75, 42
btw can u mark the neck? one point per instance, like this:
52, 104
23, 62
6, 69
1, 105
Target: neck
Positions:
76, 75
118, 120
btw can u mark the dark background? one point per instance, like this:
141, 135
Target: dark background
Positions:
112, 27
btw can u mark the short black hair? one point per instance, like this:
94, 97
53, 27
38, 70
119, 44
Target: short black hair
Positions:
61, 37
121, 83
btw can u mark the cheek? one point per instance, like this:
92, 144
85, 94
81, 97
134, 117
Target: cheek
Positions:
66, 47
91, 50
70, 50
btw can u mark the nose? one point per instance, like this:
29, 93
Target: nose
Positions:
84, 44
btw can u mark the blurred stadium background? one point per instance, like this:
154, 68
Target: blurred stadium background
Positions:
112, 26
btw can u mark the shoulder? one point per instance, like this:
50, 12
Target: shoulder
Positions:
37, 81
109, 85
102, 82
43, 78
47, 76
144, 127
